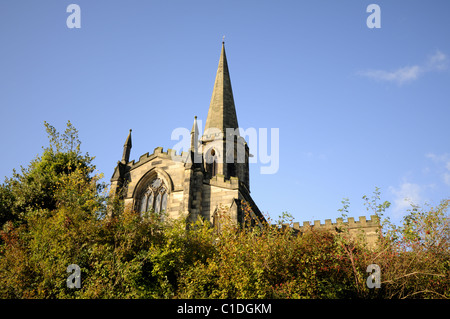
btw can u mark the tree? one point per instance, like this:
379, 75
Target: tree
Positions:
53, 215
415, 256
39, 185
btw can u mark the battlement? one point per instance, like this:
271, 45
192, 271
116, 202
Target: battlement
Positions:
158, 152
369, 227
219, 180
350, 223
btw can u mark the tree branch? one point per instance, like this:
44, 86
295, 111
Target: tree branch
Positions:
424, 291
413, 273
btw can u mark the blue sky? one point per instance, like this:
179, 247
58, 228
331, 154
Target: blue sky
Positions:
355, 107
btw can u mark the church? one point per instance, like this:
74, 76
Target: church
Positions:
209, 181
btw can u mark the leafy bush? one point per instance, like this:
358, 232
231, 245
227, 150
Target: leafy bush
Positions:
54, 214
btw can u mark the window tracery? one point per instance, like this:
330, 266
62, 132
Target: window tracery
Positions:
154, 197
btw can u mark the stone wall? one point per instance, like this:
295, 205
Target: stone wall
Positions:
166, 165
369, 228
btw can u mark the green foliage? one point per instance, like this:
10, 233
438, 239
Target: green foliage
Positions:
416, 255
268, 263
372, 203
40, 185
54, 214
345, 205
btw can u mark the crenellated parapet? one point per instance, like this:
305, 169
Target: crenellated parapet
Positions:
362, 222
369, 228
220, 181
158, 152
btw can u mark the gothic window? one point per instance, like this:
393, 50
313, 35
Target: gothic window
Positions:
231, 169
149, 201
214, 168
143, 206
164, 200
211, 162
154, 197
158, 203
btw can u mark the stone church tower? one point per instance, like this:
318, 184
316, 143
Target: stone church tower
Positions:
208, 181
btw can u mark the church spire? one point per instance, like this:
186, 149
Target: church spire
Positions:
222, 112
126, 149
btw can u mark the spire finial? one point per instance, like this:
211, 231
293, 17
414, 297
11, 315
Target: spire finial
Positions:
194, 136
127, 149
223, 39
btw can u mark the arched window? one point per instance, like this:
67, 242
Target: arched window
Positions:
231, 169
154, 197
143, 206
211, 162
158, 203
164, 200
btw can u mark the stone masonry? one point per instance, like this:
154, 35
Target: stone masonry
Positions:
213, 174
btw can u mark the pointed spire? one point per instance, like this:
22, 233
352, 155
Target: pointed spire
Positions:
222, 111
194, 136
127, 149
